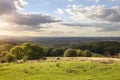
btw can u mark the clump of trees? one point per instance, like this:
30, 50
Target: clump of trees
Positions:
28, 51
31, 51
6, 57
106, 48
77, 53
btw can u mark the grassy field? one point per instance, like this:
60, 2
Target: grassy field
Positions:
63, 69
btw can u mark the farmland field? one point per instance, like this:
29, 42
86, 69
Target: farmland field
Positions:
62, 69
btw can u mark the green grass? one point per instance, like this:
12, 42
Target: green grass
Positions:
62, 70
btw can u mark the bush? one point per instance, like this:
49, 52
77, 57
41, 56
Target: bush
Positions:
118, 55
32, 51
7, 58
70, 53
87, 53
44, 58
4, 53
96, 55
10, 58
17, 51
3, 60
57, 52
25, 58
79, 52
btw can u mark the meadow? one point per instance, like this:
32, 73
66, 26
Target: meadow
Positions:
62, 69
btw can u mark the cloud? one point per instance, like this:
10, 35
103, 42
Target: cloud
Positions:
9, 13
31, 19
59, 11
115, 0
19, 4
99, 13
57, 32
70, 0
100, 27
96, 1
6, 7
108, 29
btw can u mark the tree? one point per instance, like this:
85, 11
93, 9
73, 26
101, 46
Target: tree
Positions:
87, 53
7, 46
6, 57
57, 52
10, 58
79, 52
17, 51
33, 51
36, 52
47, 51
70, 53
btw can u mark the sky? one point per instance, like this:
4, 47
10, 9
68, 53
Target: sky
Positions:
60, 18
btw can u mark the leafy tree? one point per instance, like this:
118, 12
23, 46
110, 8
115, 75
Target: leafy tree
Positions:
17, 51
4, 53
79, 52
10, 58
70, 53
47, 51
6, 57
57, 52
7, 46
87, 53
36, 52
32, 51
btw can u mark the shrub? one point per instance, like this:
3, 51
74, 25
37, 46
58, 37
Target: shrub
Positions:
44, 58
96, 55
57, 52
107, 54
70, 53
17, 51
87, 53
10, 58
118, 55
25, 58
4, 53
7, 58
3, 60
79, 52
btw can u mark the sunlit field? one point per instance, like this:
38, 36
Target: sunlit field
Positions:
62, 69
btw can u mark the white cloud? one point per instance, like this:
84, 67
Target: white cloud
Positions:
115, 0
10, 15
59, 11
99, 17
19, 4
99, 13
70, 0
96, 1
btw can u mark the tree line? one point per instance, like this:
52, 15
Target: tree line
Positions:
28, 51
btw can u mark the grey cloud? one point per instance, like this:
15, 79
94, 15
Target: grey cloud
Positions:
107, 29
32, 19
111, 15
91, 24
99, 13
9, 12
57, 32
101, 26
6, 7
